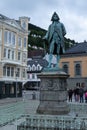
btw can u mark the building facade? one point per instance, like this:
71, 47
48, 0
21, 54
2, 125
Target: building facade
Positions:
13, 55
35, 64
74, 63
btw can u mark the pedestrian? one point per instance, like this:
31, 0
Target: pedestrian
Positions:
81, 93
86, 97
70, 93
77, 94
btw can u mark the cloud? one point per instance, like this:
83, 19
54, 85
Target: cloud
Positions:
72, 14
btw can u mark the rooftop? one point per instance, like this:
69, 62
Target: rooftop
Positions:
79, 48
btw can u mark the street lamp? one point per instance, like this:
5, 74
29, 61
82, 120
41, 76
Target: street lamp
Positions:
16, 73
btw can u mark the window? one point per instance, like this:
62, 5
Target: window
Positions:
23, 73
12, 71
65, 68
25, 42
12, 55
18, 72
33, 76
13, 39
5, 52
9, 37
33, 68
8, 54
77, 69
4, 71
5, 36
29, 68
19, 55
8, 71
24, 57
24, 24
19, 42
38, 67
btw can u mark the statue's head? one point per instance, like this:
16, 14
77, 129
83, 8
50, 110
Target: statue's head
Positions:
55, 17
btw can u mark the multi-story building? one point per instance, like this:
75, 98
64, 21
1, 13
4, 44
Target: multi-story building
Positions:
13, 55
74, 62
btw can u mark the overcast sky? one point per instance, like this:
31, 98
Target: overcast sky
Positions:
72, 13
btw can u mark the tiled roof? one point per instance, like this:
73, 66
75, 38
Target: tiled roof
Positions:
79, 48
40, 61
36, 53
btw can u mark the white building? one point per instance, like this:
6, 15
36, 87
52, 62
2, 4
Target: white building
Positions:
13, 55
35, 66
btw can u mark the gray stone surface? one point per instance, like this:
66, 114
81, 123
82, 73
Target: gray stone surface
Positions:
53, 93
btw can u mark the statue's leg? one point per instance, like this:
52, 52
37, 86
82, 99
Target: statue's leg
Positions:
58, 56
51, 53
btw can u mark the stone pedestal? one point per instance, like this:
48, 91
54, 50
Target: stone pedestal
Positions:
53, 93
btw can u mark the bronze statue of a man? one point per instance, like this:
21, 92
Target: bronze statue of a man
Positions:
55, 37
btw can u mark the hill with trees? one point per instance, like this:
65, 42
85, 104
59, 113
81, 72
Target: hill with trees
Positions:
35, 40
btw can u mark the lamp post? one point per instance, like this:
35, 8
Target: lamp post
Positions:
16, 83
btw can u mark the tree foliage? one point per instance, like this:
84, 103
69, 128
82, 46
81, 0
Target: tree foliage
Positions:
36, 35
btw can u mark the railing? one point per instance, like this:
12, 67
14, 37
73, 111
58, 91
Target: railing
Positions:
47, 122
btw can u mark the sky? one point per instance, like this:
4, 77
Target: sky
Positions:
72, 13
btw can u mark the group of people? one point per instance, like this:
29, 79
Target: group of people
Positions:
79, 94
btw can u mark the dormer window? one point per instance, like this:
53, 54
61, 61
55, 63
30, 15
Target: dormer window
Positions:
29, 68
38, 67
33, 68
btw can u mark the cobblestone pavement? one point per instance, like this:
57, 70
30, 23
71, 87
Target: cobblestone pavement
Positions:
12, 109
9, 100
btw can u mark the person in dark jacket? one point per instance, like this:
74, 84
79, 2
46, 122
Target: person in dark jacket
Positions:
70, 94
81, 92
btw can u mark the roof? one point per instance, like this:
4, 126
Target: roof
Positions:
36, 61
4, 17
11, 22
36, 53
78, 48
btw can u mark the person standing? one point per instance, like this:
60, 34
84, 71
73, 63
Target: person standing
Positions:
81, 93
86, 97
77, 94
70, 94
